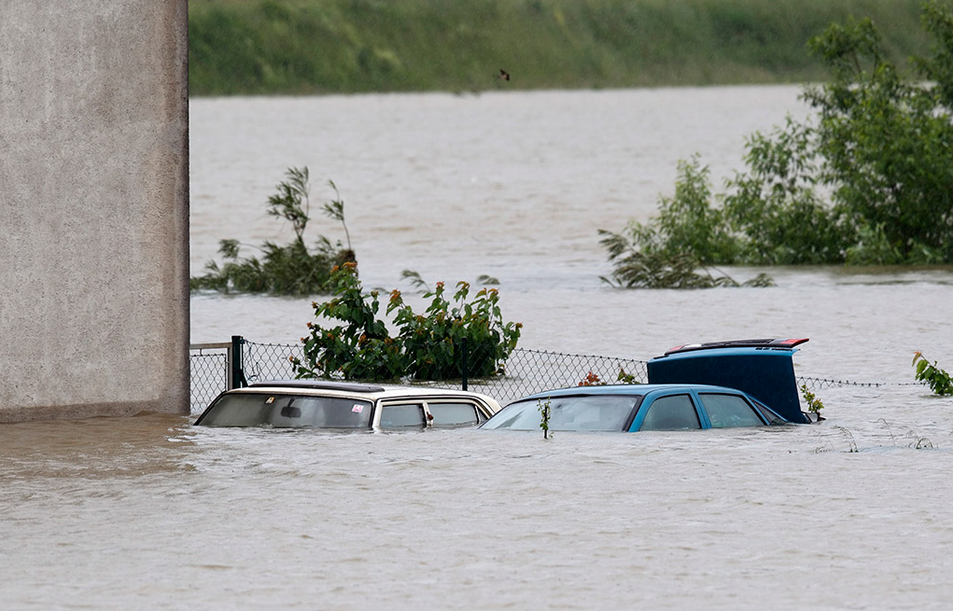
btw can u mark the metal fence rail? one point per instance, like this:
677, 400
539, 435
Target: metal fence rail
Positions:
218, 367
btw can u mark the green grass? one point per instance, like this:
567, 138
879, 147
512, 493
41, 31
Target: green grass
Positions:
348, 46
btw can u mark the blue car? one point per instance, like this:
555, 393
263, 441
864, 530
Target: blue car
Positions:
738, 383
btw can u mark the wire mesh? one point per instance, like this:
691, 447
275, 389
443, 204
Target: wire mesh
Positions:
269, 361
209, 376
824, 383
531, 371
525, 372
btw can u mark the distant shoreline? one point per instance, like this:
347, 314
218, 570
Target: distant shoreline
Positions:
308, 47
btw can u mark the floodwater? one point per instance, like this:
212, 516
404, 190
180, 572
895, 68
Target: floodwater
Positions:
852, 513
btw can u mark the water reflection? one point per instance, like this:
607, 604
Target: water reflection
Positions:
95, 447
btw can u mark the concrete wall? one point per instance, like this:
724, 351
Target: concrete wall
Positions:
94, 301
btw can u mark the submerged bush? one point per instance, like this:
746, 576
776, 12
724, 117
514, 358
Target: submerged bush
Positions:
637, 269
675, 251
814, 405
291, 269
939, 380
427, 346
867, 180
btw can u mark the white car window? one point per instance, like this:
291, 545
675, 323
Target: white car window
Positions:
458, 413
402, 415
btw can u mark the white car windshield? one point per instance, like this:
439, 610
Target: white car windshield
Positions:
283, 410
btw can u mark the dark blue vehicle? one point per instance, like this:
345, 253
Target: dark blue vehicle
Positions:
737, 383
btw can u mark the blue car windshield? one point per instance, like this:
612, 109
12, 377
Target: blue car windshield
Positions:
254, 409
574, 413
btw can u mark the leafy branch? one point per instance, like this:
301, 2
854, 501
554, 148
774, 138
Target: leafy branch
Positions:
814, 405
939, 380
545, 411
291, 269
426, 346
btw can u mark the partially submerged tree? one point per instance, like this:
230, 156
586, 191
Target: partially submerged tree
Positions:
887, 144
867, 180
678, 249
427, 346
291, 269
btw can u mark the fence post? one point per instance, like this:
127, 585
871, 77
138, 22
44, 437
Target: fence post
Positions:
236, 368
465, 355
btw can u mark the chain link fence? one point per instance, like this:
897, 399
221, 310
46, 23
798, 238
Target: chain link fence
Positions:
824, 384
531, 371
270, 361
526, 371
209, 366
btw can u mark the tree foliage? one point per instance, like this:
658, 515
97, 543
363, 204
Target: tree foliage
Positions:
887, 144
676, 250
867, 179
291, 269
426, 346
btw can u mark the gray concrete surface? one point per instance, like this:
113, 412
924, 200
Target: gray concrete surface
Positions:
94, 299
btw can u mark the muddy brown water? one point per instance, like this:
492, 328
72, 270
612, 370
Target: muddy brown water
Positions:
853, 513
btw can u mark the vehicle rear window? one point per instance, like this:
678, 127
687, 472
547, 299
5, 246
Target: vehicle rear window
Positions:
726, 411
671, 413
253, 409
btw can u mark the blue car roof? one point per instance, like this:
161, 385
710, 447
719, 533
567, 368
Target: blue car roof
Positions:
623, 389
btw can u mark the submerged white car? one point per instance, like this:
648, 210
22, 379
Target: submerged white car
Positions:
347, 405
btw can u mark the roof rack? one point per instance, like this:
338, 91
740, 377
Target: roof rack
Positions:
321, 385
771, 344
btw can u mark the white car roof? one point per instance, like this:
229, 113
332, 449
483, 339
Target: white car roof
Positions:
366, 392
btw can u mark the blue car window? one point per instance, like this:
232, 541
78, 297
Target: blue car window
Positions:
407, 415
671, 413
769, 414
726, 411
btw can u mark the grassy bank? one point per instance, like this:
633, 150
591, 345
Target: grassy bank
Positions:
345, 46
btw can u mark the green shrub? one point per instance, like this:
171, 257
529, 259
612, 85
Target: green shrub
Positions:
427, 346
291, 269
814, 405
939, 380
774, 211
867, 180
676, 250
